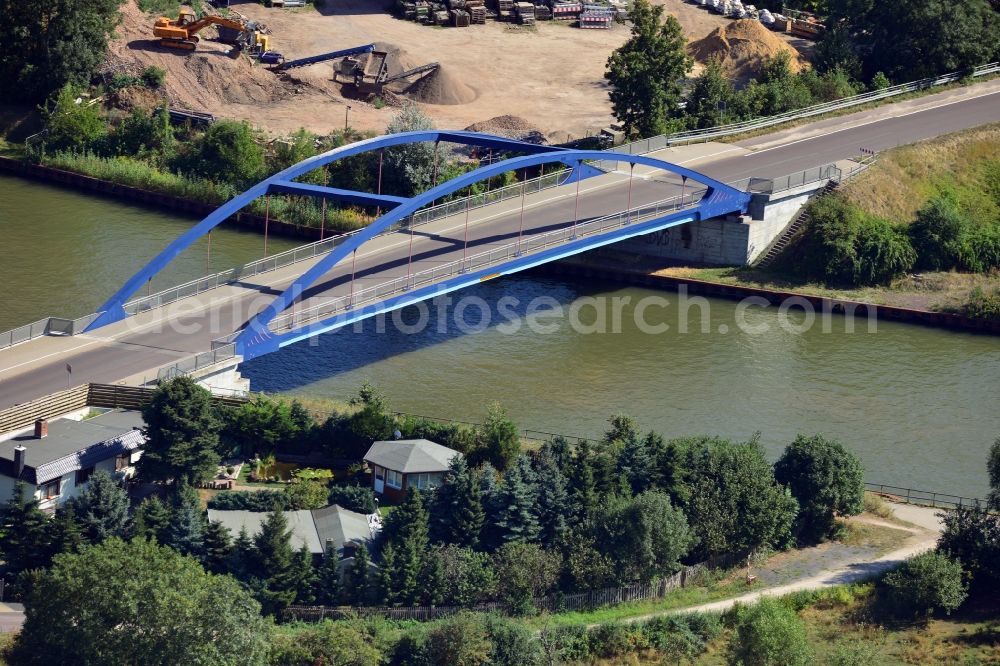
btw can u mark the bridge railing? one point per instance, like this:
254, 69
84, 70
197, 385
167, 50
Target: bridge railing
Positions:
43, 327
198, 361
310, 250
659, 142
527, 245
922, 497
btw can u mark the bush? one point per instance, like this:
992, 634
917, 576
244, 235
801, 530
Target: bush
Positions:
461, 640
249, 500
73, 126
306, 495
566, 643
826, 479
680, 637
924, 584
613, 640
353, 498
768, 634
153, 76
983, 305
938, 234
330, 642
513, 644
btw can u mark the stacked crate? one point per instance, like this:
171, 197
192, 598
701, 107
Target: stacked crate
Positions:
505, 10
566, 11
525, 13
595, 20
460, 18
477, 14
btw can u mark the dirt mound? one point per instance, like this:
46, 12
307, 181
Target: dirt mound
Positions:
742, 46
513, 127
441, 87
397, 59
234, 80
136, 97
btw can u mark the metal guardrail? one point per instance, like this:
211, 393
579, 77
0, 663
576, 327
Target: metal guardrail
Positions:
816, 174
923, 497
43, 327
495, 256
666, 140
197, 362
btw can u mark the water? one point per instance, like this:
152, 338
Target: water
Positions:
919, 405
89, 246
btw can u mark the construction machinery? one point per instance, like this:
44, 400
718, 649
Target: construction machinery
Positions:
182, 33
323, 57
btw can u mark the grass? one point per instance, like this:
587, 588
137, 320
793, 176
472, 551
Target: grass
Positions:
864, 534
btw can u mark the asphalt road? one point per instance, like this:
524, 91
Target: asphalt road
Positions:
111, 354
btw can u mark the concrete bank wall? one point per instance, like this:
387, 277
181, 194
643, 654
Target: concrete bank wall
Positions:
715, 289
158, 200
730, 241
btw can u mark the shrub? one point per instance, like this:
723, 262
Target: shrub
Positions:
612, 639
983, 305
122, 81
353, 498
327, 643
826, 479
306, 495
938, 234
513, 644
249, 500
924, 584
768, 634
73, 126
153, 76
567, 643
461, 640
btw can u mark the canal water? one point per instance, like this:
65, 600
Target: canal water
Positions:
920, 406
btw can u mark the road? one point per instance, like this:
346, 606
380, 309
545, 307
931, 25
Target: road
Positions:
142, 344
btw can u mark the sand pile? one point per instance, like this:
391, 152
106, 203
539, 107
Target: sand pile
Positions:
136, 97
513, 127
742, 46
234, 80
441, 87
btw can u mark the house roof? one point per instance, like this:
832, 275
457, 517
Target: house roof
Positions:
311, 528
72, 445
411, 455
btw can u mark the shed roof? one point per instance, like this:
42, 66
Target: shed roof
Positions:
411, 455
311, 528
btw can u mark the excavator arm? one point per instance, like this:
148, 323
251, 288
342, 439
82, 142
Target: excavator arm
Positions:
183, 33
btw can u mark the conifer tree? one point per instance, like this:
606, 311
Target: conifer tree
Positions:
385, 580
151, 520
301, 576
241, 558
583, 489
458, 507
406, 529
553, 499
272, 561
433, 579
102, 508
186, 533
26, 533
329, 588
218, 547
67, 535
516, 519
356, 591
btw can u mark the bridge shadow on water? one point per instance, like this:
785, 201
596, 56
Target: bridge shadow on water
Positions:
378, 338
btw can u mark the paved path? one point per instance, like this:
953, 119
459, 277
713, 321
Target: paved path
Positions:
925, 537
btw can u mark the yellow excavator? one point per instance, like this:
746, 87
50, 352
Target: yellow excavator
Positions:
183, 32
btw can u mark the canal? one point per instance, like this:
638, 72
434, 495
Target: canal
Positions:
920, 406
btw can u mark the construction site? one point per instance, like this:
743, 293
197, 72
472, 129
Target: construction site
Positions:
354, 63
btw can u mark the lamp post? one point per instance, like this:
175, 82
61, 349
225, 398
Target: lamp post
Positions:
347, 111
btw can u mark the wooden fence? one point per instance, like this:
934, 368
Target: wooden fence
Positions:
80, 397
552, 603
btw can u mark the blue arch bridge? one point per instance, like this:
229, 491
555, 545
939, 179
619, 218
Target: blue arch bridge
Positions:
315, 301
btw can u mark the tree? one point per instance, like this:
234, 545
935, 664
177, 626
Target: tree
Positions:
644, 536
923, 38
769, 634
272, 560
711, 96
526, 571
66, 533
467, 576
457, 515
218, 547
72, 126
406, 530
371, 422
409, 169
241, 557
386, 577
102, 508
583, 487
972, 534
553, 499
186, 533
646, 72
353, 498
460, 640
826, 479
516, 503
182, 438
226, 152
25, 533
731, 499
307, 495
79, 612
497, 439
328, 590
926, 583
357, 589
151, 520
301, 576
938, 234
59, 42
262, 425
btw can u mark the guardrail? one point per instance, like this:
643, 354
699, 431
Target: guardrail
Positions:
923, 497
194, 363
529, 245
666, 140
43, 327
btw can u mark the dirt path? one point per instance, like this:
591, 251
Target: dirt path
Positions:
925, 534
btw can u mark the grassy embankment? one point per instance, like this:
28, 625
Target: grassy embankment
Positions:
963, 166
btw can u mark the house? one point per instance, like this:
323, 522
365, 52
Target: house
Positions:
56, 460
396, 465
332, 527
